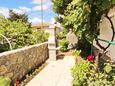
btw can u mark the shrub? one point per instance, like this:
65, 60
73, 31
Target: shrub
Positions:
4, 81
85, 74
64, 45
19, 34
78, 72
60, 35
76, 53
106, 77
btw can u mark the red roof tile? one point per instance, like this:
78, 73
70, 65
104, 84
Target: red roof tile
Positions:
41, 25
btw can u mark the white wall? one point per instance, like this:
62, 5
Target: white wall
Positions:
106, 33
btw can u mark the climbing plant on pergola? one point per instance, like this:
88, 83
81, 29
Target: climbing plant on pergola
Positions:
84, 16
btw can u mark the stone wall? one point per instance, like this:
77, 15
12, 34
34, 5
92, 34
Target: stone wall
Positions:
16, 63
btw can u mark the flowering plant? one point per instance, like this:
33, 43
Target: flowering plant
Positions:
90, 58
17, 82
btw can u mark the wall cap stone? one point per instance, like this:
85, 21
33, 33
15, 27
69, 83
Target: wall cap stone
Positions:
21, 49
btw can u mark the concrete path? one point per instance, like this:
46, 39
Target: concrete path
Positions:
57, 73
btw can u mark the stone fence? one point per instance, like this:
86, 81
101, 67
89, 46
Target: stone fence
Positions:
16, 63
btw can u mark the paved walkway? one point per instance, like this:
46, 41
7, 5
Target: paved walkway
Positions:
57, 73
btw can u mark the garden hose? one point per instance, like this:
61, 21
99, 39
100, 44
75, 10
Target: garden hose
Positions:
106, 41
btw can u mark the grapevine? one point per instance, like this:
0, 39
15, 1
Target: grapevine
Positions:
85, 15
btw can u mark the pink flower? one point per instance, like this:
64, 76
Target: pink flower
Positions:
17, 82
90, 58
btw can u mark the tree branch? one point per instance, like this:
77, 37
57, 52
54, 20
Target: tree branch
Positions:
113, 30
113, 36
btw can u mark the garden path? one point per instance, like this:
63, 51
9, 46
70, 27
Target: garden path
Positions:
56, 73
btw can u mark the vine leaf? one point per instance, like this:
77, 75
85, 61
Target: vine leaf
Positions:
108, 68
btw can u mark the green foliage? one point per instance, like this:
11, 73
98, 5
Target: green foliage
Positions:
4, 81
16, 17
85, 74
106, 77
76, 16
64, 45
76, 53
108, 68
78, 72
82, 15
62, 34
19, 34
60, 5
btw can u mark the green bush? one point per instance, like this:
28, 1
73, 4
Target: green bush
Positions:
106, 77
78, 72
4, 81
86, 74
62, 34
64, 45
19, 34
76, 53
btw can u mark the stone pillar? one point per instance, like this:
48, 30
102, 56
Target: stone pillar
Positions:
52, 43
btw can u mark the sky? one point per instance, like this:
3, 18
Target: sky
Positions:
30, 7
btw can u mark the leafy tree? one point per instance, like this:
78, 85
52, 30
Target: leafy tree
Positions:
15, 16
19, 34
60, 5
83, 16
